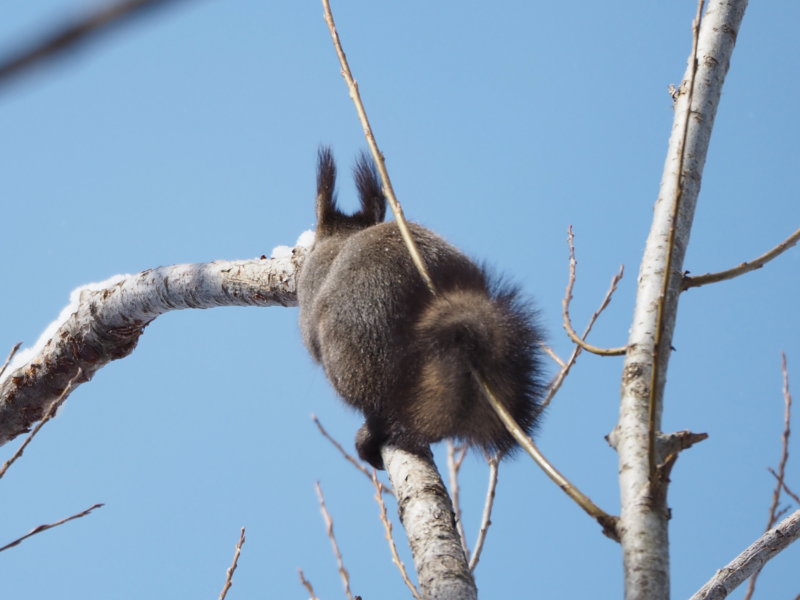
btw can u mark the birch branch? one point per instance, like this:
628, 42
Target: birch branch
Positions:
103, 322
387, 528
751, 559
427, 516
644, 514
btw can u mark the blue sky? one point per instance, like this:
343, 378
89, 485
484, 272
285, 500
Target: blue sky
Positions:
191, 136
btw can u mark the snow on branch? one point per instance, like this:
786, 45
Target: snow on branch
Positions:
103, 322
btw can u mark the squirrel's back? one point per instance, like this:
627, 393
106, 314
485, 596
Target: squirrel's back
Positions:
398, 353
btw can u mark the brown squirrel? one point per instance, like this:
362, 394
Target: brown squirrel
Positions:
401, 355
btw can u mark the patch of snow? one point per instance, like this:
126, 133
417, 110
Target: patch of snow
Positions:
26, 355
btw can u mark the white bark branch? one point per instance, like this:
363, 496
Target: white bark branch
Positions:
427, 515
104, 322
644, 513
752, 559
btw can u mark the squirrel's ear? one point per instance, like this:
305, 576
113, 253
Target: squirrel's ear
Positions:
326, 184
373, 201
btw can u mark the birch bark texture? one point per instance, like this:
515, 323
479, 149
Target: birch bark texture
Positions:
427, 514
103, 322
644, 512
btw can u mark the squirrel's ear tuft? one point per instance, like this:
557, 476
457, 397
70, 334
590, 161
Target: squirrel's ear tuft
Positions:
373, 201
327, 211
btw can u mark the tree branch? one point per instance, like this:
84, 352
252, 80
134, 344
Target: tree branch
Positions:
232, 569
606, 521
7, 361
427, 516
103, 322
486, 517
644, 514
558, 380
71, 34
573, 335
377, 155
751, 559
780, 476
326, 516
51, 412
745, 267
42, 528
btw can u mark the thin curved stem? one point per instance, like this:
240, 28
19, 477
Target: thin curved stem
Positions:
745, 267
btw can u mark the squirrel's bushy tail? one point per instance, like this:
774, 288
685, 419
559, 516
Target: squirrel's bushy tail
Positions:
489, 331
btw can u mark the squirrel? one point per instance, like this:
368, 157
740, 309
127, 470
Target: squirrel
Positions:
398, 353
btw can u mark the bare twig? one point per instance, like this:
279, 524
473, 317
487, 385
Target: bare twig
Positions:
551, 353
558, 380
232, 569
347, 456
786, 488
307, 584
41, 528
745, 267
103, 322
581, 341
751, 559
387, 527
606, 521
780, 476
51, 412
9, 357
377, 155
486, 518
70, 35
455, 458
337, 553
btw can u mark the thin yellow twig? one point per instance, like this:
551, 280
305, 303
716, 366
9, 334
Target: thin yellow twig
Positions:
232, 569
608, 522
581, 341
377, 155
745, 267
387, 527
41, 528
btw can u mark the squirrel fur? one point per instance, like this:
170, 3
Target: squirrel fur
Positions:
401, 355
